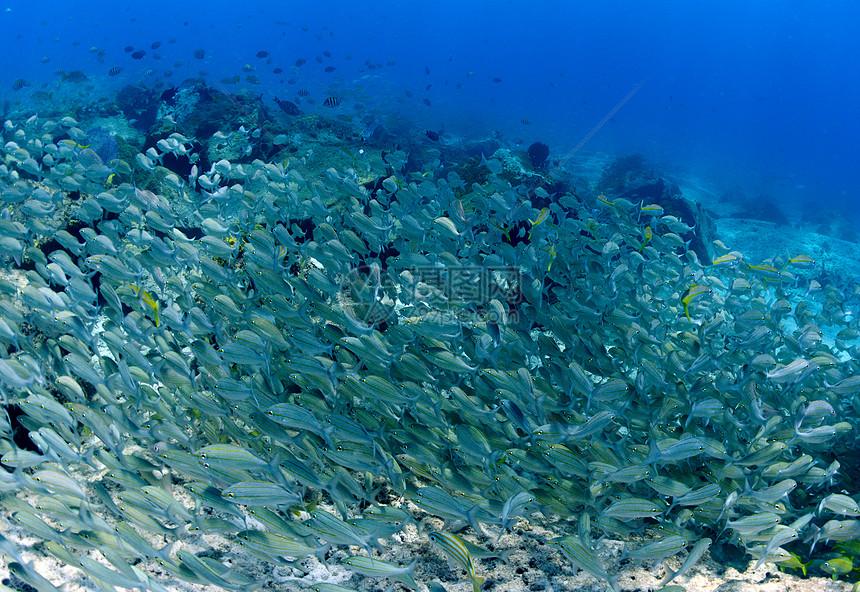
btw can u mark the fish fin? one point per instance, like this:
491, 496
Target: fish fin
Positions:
670, 575
471, 518
613, 583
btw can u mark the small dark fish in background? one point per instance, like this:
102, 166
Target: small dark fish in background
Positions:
277, 70
302, 92
76, 76
262, 54
330, 69
497, 79
525, 121
426, 69
114, 71
432, 135
139, 54
331, 102
155, 45
287, 107
128, 49
327, 54
427, 102
20, 83
300, 61
199, 53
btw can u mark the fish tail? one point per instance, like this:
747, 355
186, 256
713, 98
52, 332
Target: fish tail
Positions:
477, 582
670, 575
613, 583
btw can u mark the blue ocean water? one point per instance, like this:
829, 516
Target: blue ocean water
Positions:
753, 95
759, 96
751, 99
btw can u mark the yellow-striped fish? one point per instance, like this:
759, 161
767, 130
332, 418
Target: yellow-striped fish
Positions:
457, 552
727, 260
150, 301
802, 261
605, 200
652, 210
648, 235
692, 293
552, 255
542, 215
767, 272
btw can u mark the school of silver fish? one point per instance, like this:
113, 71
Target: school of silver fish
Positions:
193, 363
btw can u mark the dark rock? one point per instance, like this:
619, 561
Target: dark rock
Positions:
762, 208
702, 236
629, 178
624, 172
477, 149
20, 433
168, 97
733, 196
650, 191
199, 111
139, 104
538, 154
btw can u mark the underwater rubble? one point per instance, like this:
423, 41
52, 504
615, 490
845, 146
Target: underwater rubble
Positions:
229, 333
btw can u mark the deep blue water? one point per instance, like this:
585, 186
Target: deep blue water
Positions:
760, 96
